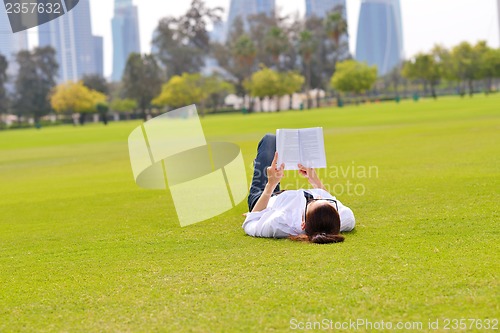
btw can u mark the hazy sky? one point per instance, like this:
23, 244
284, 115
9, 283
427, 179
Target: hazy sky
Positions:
425, 22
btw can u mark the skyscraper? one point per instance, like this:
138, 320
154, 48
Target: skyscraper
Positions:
245, 8
320, 7
125, 25
99, 55
380, 34
498, 8
71, 36
11, 43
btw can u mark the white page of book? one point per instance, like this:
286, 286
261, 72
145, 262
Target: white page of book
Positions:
305, 146
312, 147
287, 145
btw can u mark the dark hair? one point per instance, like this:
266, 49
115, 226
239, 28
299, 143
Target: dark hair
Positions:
322, 225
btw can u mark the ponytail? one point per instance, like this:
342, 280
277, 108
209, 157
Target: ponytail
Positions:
320, 238
324, 238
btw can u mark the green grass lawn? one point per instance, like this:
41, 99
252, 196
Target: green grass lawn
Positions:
82, 248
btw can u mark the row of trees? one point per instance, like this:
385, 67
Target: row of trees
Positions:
463, 64
264, 56
35, 79
309, 47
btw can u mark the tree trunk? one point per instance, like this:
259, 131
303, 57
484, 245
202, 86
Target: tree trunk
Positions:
308, 84
104, 118
278, 109
488, 85
82, 118
318, 99
471, 88
290, 105
144, 114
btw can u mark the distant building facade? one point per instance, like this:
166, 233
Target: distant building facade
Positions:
380, 34
11, 43
99, 55
245, 8
498, 8
319, 8
126, 40
71, 36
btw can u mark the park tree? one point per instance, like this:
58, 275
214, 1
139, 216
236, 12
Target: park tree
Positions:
244, 52
96, 82
289, 84
141, 80
490, 66
236, 56
307, 46
103, 108
424, 67
269, 83
329, 32
123, 105
353, 76
276, 43
465, 65
181, 91
182, 43
4, 102
74, 97
336, 25
35, 79
395, 79
263, 83
217, 90
259, 28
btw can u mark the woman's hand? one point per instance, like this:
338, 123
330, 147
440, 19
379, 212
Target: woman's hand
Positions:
311, 176
274, 174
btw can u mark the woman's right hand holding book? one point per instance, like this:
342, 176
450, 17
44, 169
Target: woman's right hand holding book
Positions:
311, 175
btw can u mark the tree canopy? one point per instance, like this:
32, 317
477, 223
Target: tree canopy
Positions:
34, 81
181, 90
74, 97
354, 76
141, 80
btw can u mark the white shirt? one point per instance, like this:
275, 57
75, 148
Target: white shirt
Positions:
283, 215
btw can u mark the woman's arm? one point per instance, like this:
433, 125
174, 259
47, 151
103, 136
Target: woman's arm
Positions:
311, 176
274, 175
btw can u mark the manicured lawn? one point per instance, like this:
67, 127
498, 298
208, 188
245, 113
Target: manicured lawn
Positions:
82, 248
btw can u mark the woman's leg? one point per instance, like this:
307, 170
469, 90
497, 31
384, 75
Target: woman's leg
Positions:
265, 155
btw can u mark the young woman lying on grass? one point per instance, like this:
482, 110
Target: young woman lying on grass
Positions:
312, 215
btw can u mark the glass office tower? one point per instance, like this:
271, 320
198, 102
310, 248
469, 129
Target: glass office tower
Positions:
380, 34
320, 7
71, 36
498, 8
99, 55
11, 43
245, 8
125, 25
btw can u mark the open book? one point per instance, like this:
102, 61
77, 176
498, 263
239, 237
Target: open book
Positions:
305, 146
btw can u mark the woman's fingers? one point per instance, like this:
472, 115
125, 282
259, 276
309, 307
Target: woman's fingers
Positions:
275, 160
